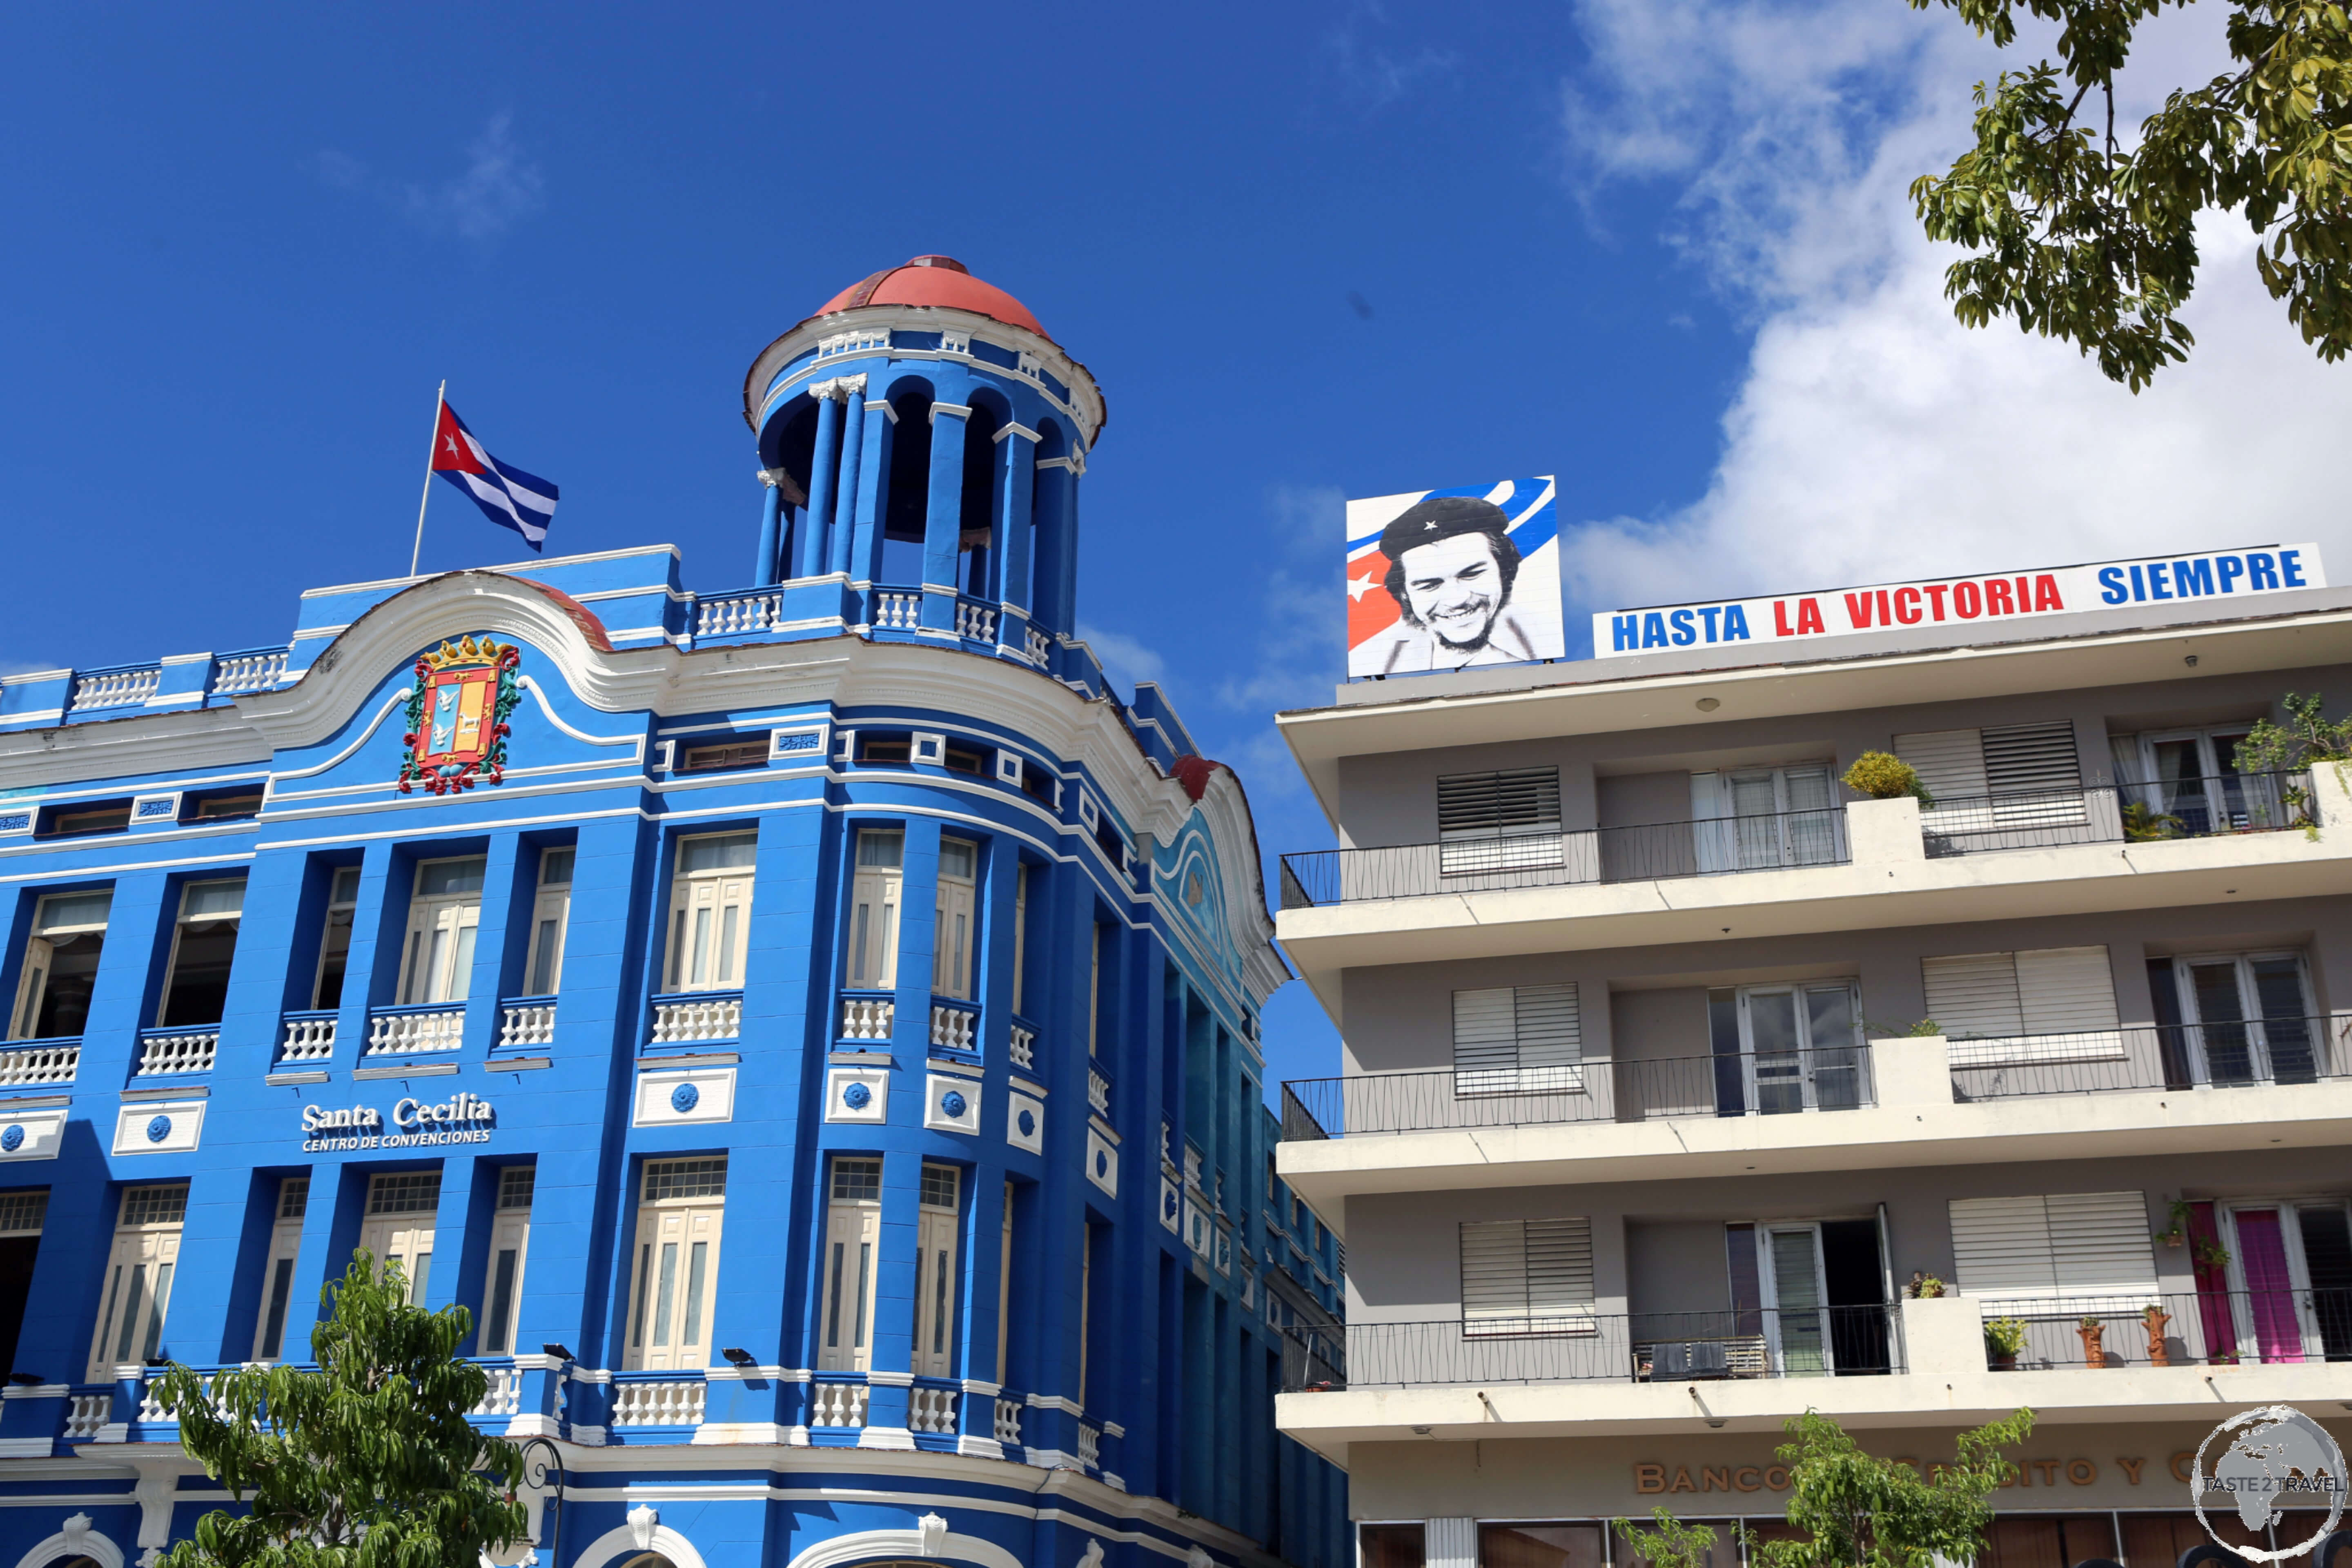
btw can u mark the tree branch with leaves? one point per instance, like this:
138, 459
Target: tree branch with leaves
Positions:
2084, 238
370, 1461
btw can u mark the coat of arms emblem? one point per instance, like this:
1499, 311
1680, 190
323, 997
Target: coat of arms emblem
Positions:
458, 715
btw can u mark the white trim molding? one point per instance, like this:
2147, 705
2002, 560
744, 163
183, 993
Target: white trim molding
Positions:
76, 1539
930, 1539
642, 1533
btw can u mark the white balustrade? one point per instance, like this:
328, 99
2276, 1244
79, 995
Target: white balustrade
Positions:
1099, 1091
307, 1040
1039, 643
504, 1396
953, 1028
87, 1414
737, 613
1008, 1421
249, 671
675, 1023
39, 1064
839, 1404
975, 621
529, 1024
931, 1410
150, 1404
1024, 1047
1090, 1445
899, 611
115, 688
867, 1017
443, 1030
192, 1051
657, 1404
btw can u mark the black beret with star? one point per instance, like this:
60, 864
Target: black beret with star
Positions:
1441, 517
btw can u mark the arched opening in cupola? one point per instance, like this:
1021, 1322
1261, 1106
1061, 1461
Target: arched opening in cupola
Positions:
981, 500
905, 502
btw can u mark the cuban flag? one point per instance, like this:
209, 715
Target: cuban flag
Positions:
508, 496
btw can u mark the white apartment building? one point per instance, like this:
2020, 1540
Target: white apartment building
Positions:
1668, 1064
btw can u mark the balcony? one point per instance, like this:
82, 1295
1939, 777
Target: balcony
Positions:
1900, 1102
1400, 1382
697, 1017
40, 1062
2205, 1328
428, 1029
1747, 1084
308, 1040
526, 1021
183, 1050
1885, 863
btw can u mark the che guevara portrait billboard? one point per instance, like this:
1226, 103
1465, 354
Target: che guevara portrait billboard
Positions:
1451, 578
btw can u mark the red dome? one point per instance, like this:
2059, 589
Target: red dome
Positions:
936, 281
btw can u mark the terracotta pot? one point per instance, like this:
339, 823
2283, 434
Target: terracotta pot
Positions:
2003, 1360
2094, 1349
2158, 1352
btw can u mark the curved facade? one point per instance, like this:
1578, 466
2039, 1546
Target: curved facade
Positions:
814, 1027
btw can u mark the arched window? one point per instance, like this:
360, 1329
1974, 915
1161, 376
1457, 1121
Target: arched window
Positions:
980, 502
1050, 562
648, 1560
795, 447
907, 499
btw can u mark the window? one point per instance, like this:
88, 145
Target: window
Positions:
397, 1231
964, 760
222, 807
1521, 1037
335, 940
885, 751
277, 1268
1391, 1545
1040, 787
873, 962
510, 1238
2291, 1266
2247, 1017
1782, 1049
1808, 1298
710, 911
196, 983
935, 1272
2050, 1005
719, 758
60, 965
21, 1217
444, 915
1005, 1286
1753, 819
2017, 776
1526, 1277
551, 921
1536, 1546
94, 816
853, 1235
951, 937
2029, 1251
138, 1279
676, 1265
1498, 821
1019, 935
2192, 776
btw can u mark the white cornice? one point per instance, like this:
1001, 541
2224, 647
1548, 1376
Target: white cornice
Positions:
511, 566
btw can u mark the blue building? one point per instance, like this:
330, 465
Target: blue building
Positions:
814, 1027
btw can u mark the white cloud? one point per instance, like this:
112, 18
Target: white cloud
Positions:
1125, 659
1873, 437
499, 188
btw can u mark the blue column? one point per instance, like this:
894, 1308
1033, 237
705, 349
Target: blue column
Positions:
1056, 546
825, 469
1017, 476
772, 522
873, 492
943, 522
853, 455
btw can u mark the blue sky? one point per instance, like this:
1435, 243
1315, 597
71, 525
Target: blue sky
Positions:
1310, 251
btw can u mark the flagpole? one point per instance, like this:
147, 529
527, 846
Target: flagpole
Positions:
431, 447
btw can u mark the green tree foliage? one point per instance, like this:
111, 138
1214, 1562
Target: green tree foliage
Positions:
1862, 1512
2305, 738
2090, 237
1671, 1545
368, 1462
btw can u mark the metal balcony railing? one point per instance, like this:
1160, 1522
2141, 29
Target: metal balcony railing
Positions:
1590, 1347
2179, 1057
2204, 1328
1636, 853
2134, 811
1751, 1083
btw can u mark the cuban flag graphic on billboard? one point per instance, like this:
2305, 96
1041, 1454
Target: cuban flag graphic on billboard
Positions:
1448, 579
508, 496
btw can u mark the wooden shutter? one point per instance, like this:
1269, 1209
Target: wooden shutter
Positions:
2066, 990
1531, 1275
1486, 1030
1551, 1037
1950, 763
1520, 799
2040, 1005
2070, 1245
1508, 1038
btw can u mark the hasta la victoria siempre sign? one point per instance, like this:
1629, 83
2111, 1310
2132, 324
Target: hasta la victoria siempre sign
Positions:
458, 715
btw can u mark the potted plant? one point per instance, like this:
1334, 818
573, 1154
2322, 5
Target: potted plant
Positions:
1884, 777
2176, 1232
2213, 1254
2154, 1317
2004, 1337
2143, 822
1925, 1287
2094, 1333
